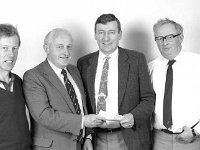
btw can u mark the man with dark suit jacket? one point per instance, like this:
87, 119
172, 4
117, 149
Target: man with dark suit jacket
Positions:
118, 87
55, 97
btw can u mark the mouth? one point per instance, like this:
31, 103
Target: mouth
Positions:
66, 57
9, 61
106, 44
166, 48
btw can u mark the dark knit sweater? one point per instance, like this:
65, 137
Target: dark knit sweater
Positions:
14, 132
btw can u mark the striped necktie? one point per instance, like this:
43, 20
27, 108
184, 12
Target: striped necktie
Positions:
71, 92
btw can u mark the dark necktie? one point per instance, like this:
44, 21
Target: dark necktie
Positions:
71, 92
167, 103
103, 89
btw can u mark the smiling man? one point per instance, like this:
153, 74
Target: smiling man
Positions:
175, 76
13, 122
117, 83
55, 96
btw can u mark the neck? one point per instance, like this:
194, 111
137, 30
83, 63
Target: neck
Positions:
4, 76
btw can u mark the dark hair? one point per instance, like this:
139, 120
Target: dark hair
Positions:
105, 18
8, 30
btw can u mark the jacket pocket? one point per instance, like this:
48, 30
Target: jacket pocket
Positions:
42, 142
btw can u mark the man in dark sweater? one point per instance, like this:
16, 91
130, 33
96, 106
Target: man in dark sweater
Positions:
14, 132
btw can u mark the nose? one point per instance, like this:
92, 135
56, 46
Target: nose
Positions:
165, 41
67, 51
106, 37
11, 52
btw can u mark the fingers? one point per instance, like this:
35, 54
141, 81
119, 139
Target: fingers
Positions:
93, 120
100, 118
185, 137
184, 140
98, 122
127, 119
127, 125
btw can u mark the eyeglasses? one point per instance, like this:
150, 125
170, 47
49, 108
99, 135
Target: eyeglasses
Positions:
168, 38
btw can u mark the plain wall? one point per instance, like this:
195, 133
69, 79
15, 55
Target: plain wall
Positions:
35, 18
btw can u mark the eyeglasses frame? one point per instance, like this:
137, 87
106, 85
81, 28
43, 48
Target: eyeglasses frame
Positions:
165, 37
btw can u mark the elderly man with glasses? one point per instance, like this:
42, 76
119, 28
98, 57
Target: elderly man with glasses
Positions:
175, 77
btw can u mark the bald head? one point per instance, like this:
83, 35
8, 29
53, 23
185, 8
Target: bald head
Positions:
53, 34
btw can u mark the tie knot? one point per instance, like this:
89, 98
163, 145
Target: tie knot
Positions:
63, 72
107, 58
171, 62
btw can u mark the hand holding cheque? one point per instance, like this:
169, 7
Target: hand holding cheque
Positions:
126, 121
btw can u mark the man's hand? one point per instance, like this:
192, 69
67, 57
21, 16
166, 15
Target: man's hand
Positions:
127, 121
88, 145
186, 136
92, 120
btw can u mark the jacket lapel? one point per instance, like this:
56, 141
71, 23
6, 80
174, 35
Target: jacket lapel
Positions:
91, 73
123, 71
53, 78
77, 79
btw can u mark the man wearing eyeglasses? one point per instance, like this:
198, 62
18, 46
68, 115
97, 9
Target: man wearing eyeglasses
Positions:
175, 77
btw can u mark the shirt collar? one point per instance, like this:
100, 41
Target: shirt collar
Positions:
55, 69
11, 82
112, 55
177, 58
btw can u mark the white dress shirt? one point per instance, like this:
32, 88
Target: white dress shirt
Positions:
112, 84
186, 90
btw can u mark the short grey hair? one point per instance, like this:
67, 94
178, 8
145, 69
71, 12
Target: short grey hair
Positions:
161, 22
53, 33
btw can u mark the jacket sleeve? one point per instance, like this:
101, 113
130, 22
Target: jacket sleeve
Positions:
145, 108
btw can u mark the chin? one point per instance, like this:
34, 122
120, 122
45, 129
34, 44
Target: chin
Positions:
8, 69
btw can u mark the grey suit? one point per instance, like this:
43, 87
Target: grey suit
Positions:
136, 95
54, 123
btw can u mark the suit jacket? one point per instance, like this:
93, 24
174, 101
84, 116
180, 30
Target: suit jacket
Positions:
136, 95
54, 122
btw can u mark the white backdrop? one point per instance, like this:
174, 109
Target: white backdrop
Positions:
34, 18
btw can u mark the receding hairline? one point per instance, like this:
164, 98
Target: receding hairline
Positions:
161, 22
51, 35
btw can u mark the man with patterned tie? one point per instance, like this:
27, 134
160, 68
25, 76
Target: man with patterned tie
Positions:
117, 83
175, 76
56, 98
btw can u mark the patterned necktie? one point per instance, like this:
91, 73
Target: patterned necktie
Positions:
167, 103
103, 89
71, 92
